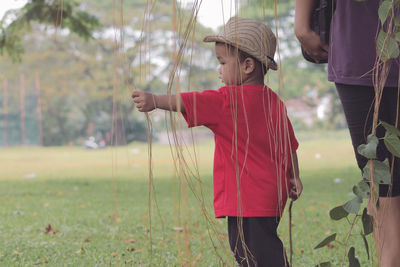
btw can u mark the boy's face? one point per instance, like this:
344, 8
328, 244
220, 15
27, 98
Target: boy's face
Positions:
229, 66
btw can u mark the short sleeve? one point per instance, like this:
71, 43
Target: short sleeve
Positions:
203, 108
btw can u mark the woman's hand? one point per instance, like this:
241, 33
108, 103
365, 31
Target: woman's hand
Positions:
313, 46
309, 39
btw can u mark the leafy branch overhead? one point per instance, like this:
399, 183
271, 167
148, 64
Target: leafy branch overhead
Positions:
51, 13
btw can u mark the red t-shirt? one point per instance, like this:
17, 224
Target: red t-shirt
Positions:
253, 144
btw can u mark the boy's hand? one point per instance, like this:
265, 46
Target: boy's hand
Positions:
295, 188
145, 102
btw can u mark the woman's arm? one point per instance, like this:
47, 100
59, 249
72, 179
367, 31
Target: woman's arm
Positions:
302, 17
146, 102
309, 39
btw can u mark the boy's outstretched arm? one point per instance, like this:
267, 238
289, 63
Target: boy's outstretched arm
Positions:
147, 101
295, 184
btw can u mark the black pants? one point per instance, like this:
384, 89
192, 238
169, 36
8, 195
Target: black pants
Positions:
358, 106
259, 245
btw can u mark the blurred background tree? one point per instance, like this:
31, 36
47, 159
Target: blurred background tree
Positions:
85, 67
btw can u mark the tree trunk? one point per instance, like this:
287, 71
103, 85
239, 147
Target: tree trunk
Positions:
39, 109
22, 108
5, 112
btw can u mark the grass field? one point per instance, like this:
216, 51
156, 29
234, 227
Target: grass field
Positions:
96, 203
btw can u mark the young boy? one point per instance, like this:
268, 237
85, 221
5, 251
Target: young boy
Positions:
255, 163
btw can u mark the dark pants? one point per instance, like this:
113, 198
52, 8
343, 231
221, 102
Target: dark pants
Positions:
259, 245
358, 105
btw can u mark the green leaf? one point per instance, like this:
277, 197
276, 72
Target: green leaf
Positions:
326, 241
392, 143
390, 128
393, 48
323, 264
387, 47
381, 171
384, 9
369, 150
362, 190
365, 244
353, 261
353, 206
367, 221
397, 36
338, 213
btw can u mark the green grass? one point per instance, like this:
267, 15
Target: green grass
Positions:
97, 203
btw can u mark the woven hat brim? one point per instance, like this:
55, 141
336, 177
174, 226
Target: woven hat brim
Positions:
218, 38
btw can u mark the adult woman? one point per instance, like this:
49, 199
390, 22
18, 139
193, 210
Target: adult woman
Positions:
352, 55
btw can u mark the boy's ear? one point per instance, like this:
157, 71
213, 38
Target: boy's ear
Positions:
249, 65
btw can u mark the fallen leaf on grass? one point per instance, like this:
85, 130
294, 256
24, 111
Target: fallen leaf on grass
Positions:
80, 251
41, 262
114, 254
115, 218
163, 244
129, 240
50, 231
330, 246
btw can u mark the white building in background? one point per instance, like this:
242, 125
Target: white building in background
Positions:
298, 109
308, 111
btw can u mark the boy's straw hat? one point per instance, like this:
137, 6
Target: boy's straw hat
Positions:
251, 36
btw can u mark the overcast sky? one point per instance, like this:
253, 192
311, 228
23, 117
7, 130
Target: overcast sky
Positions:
210, 13
10, 4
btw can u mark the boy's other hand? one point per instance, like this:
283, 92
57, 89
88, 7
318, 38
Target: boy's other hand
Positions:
145, 102
296, 187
